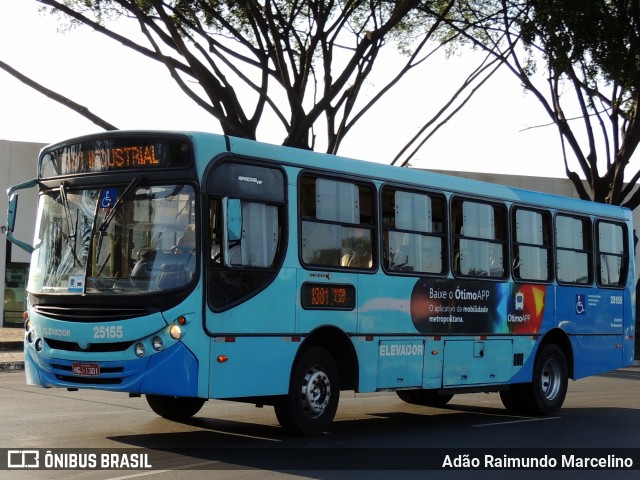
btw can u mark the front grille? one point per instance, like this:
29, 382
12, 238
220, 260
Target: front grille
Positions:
92, 348
96, 313
89, 380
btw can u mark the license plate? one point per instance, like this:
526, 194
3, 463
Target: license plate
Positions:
86, 369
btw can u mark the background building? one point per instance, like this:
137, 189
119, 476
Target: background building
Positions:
17, 164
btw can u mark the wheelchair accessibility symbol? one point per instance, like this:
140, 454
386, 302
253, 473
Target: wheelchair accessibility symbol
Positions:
108, 197
580, 304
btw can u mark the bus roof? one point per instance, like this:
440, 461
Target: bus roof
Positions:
420, 178
208, 145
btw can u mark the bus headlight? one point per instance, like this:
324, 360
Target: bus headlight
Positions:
175, 332
139, 350
31, 336
39, 344
157, 343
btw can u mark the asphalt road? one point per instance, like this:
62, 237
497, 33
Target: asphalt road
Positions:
374, 435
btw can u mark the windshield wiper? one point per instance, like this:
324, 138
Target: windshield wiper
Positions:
102, 230
73, 229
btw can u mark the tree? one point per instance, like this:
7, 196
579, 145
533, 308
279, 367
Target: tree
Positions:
247, 62
589, 52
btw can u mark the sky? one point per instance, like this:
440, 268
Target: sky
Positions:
491, 134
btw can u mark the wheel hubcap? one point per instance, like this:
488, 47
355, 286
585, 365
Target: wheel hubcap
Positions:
316, 392
550, 381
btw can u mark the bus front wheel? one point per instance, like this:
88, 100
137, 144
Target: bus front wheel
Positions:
314, 391
175, 408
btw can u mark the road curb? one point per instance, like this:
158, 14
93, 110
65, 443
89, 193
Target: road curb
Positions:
11, 346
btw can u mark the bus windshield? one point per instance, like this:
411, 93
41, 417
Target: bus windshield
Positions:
114, 240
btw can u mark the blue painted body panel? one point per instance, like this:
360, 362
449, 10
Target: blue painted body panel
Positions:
120, 368
255, 366
143, 375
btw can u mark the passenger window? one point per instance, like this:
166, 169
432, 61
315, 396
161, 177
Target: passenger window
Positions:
413, 237
337, 223
613, 256
479, 239
531, 245
573, 250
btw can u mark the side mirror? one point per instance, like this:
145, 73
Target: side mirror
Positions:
12, 211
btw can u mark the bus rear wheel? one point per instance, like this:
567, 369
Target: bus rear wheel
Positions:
425, 398
175, 408
546, 393
314, 392
512, 399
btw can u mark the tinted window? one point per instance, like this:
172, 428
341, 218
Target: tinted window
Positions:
336, 223
531, 245
413, 237
479, 239
573, 250
612, 254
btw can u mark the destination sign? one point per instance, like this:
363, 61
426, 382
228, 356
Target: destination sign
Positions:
115, 154
329, 296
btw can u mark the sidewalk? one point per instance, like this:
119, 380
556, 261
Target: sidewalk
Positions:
11, 354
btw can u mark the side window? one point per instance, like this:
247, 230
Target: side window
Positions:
531, 237
612, 254
413, 232
337, 223
247, 225
573, 250
479, 239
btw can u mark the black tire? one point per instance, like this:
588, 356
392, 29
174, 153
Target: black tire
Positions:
425, 398
546, 393
512, 399
175, 408
314, 393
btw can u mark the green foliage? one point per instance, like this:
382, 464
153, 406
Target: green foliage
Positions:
581, 61
601, 36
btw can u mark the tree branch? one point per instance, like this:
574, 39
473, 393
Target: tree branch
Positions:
57, 97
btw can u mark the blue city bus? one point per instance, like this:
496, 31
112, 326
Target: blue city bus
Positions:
193, 266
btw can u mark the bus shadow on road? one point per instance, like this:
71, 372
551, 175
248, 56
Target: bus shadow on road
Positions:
401, 440
430, 425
